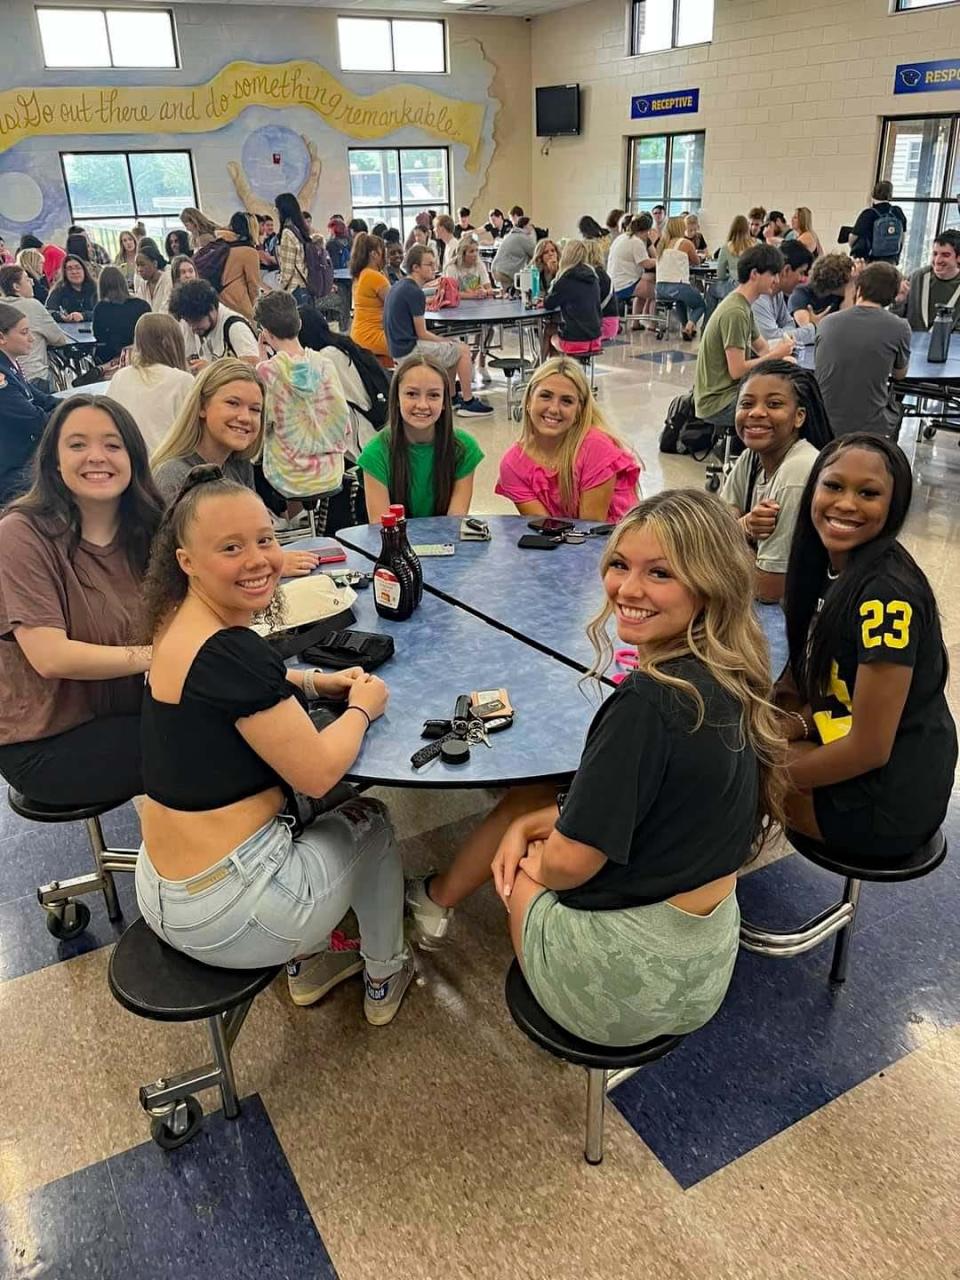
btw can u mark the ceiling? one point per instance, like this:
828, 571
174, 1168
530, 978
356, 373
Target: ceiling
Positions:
490, 8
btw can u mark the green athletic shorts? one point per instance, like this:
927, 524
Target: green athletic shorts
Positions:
625, 977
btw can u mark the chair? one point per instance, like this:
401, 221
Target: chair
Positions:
512, 367
154, 981
65, 917
606, 1065
839, 918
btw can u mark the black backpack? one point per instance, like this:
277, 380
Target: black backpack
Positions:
887, 239
680, 413
375, 383
228, 325
210, 262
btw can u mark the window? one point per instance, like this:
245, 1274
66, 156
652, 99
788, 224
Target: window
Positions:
392, 44
669, 24
902, 6
394, 184
109, 191
84, 37
665, 169
921, 157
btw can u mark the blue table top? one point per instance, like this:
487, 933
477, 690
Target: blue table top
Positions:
921, 370
342, 273
486, 311
545, 598
443, 651
91, 389
73, 332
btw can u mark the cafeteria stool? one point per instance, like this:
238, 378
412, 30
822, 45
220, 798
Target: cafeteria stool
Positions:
839, 919
66, 918
512, 367
154, 981
606, 1065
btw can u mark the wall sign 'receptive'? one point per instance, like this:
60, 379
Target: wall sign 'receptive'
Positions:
675, 102
927, 77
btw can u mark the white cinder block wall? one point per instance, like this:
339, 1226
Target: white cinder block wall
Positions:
791, 102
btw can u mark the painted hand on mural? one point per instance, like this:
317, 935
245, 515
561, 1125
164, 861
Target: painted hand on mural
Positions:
254, 204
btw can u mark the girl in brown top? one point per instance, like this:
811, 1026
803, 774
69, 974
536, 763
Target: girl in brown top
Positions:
241, 270
73, 551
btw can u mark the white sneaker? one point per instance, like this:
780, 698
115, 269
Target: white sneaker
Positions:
430, 922
485, 378
309, 980
381, 1000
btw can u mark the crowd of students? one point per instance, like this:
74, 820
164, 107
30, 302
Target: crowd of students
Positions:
136, 550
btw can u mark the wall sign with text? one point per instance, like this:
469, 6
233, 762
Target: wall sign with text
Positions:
676, 102
927, 77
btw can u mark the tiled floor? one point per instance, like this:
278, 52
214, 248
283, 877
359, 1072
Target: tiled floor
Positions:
804, 1133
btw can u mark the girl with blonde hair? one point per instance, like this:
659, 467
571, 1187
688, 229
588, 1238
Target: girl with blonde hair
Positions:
622, 895
155, 384
738, 241
675, 256
568, 462
575, 293
595, 256
202, 230
221, 422
126, 258
802, 227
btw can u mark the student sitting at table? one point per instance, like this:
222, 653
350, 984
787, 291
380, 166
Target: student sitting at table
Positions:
514, 252
306, 419
16, 288
595, 256
227, 743
74, 294
691, 229
567, 462
31, 260
675, 256
407, 332
420, 460
182, 270
221, 422
621, 895
464, 265
24, 408
155, 384
874, 744
115, 316
575, 294
783, 424
546, 258
393, 259
935, 285
859, 350
770, 309
177, 244
630, 261
73, 552
738, 241
153, 283
370, 289
211, 330
831, 286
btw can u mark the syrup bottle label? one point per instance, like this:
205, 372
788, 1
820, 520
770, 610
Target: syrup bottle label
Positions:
386, 589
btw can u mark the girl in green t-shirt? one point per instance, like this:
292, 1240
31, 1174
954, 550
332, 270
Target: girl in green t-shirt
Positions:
420, 460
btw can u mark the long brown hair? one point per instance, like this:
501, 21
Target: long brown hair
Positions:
447, 449
364, 246
707, 552
739, 239
158, 339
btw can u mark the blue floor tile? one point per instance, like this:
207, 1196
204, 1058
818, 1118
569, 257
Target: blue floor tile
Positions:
665, 357
226, 1204
26, 946
33, 853
785, 1041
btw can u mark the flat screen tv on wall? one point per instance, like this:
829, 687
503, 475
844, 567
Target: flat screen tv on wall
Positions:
558, 110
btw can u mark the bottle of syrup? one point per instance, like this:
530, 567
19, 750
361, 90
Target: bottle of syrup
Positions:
413, 560
394, 589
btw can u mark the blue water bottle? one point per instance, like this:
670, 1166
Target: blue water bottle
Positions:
534, 283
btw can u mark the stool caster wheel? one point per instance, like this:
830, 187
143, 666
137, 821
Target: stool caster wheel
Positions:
68, 920
517, 412
179, 1125
712, 483
929, 433
661, 334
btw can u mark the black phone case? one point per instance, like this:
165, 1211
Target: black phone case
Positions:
537, 542
558, 526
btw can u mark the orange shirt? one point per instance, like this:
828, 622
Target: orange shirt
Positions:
367, 328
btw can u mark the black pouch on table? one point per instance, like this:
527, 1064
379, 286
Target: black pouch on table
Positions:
297, 640
342, 649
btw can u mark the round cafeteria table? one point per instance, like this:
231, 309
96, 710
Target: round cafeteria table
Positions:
80, 334
444, 650
91, 389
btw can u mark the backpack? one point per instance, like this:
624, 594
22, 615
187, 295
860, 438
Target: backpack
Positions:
447, 294
228, 325
887, 238
320, 280
210, 262
375, 383
680, 413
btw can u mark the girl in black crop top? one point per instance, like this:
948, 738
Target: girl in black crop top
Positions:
220, 876
621, 902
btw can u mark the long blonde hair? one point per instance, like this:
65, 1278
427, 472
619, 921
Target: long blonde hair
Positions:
197, 223
158, 339
593, 253
32, 262
804, 220
676, 229
187, 431
573, 254
589, 414
739, 239
705, 549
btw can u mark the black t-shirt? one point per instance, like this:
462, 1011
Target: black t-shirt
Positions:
803, 298
114, 323
492, 230
863, 230
671, 806
895, 623
193, 756
458, 230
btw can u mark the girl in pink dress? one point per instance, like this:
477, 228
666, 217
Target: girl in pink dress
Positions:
567, 461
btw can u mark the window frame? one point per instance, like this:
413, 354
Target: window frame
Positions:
401, 204
392, 71
947, 198
632, 16
899, 6
105, 9
665, 198
137, 213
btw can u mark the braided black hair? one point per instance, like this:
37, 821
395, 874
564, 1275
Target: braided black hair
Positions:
816, 427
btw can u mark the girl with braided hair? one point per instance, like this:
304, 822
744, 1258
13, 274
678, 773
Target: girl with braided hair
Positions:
783, 425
